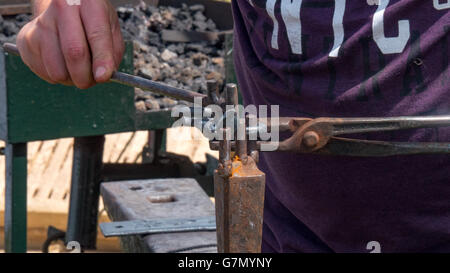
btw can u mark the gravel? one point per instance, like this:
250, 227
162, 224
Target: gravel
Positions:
183, 65
11, 25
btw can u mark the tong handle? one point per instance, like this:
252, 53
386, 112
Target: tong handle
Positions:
318, 133
370, 148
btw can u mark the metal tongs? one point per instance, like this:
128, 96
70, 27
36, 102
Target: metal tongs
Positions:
320, 136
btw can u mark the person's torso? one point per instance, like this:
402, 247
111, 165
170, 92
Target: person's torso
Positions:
341, 58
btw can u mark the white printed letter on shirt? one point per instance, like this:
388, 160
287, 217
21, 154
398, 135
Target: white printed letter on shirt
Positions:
270, 7
389, 45
338, 27
290, 11
441, 6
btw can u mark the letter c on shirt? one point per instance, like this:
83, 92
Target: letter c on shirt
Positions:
389, 45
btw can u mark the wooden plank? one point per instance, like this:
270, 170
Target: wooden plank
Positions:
133, 148
130, 200
37, 185
54, 183
15, 9
64, 170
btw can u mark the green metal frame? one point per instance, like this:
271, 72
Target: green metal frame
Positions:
33, 110
37, 110
16, 198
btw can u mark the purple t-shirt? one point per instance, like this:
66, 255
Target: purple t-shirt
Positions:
338, 58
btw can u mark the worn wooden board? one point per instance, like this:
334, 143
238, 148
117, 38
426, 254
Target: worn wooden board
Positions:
130, 201
15, 9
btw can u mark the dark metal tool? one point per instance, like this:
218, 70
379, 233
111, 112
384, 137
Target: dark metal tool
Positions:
135, 81
321, 136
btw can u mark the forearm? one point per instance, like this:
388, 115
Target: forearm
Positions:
39, 6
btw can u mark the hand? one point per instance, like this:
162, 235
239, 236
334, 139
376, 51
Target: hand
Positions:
73, 45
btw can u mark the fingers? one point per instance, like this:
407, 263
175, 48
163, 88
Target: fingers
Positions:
97, 27
55, 64
30, 49
74, 46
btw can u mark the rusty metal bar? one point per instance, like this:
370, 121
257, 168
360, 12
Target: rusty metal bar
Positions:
239, 190
239, 208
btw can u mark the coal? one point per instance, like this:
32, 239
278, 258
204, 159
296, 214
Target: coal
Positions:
183, 65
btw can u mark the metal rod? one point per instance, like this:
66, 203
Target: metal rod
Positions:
135, 81
155, 87
231, 94
225, 146
85, 191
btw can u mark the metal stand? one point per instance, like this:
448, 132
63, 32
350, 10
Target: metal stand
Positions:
16, 198
85, 191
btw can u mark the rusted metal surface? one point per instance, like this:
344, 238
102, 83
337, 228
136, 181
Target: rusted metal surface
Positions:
239, 208
239, 190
